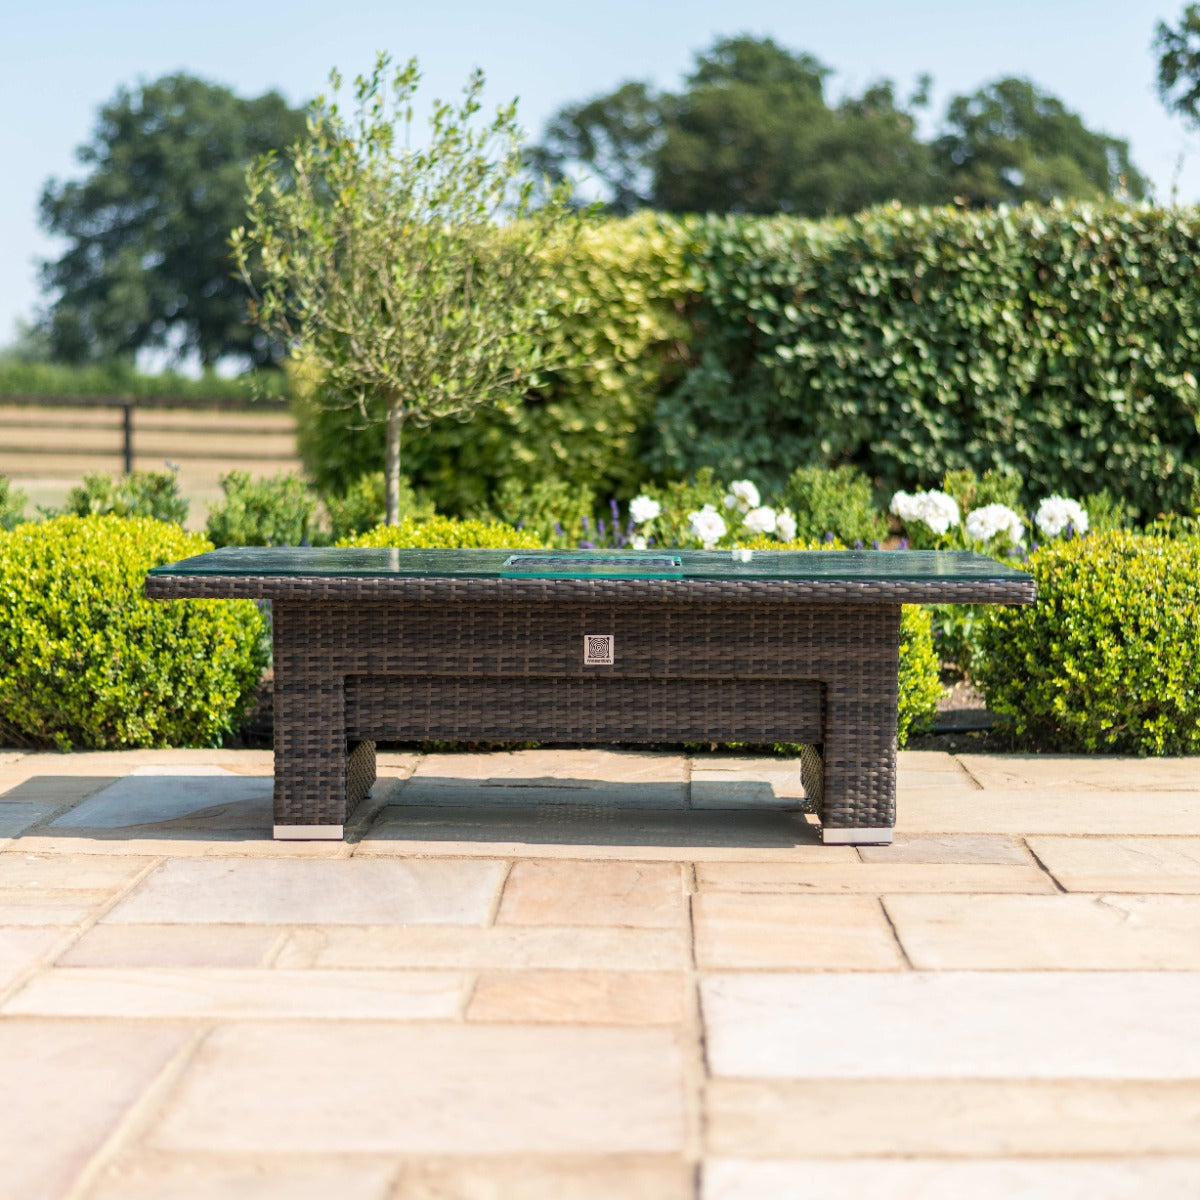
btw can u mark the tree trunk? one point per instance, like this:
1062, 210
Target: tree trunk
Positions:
391, 464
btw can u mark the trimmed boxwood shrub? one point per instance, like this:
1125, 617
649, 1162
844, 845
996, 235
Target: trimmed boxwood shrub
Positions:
1109, 657
142, 494
446, 533
12, 504
920, 680
261, 512
87, 662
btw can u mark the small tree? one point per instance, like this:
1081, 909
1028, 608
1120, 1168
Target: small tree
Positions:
387, 269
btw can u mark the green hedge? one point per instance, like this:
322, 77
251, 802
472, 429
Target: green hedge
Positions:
620, 332
1109, 657
1058, 341
86, 662
119, 378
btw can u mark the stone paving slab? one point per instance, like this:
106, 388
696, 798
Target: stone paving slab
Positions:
469, 1089
51, 906
579, 997
23, 948
180, 1177
282, 892
874, 877
118, 763
510, 947
76, 1080
1122, 864
216, 993
957, 848
67, 872
1064, 1179
17, 816
1047, 772
1052, 810
163, 841
204, 797
612, 1177
173, 946
561, 893
524, 777
51, 792
931, 1025
957, 1118
773, 932
1048, 933
733, 782
934, 768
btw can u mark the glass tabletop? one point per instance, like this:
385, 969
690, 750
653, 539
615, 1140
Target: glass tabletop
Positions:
903, 566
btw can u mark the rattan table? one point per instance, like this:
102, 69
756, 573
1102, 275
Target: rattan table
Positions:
587, 647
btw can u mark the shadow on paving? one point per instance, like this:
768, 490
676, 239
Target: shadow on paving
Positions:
591, 823
208, 804
194, 803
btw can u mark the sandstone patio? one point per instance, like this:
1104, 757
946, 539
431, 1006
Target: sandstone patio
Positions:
579, 975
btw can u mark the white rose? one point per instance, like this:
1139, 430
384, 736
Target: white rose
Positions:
985, 523
937, 510
761, 520
708, 525
1055, 513
637, 542
905, 507
785, 526
643, 509
745, 495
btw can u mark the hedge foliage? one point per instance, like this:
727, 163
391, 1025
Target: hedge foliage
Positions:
120, 378
87, 662
620, 334
1058, 341
1109, 657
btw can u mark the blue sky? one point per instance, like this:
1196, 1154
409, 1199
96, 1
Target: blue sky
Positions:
61, 59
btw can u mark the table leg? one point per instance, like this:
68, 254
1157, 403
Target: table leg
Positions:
319, 778
857, 805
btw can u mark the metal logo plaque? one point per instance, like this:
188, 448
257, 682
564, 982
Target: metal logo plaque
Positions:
598, 650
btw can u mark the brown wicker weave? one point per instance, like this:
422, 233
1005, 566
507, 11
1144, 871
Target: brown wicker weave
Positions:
363, 659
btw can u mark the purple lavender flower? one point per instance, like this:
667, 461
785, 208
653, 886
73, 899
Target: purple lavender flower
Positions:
858, 543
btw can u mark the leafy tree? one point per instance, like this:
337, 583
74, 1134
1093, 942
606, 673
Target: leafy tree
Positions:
616, 136
386, 268
1178, 50
148, 263
751, 132
1009, 142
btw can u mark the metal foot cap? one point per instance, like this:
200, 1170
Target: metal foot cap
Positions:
308, 833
